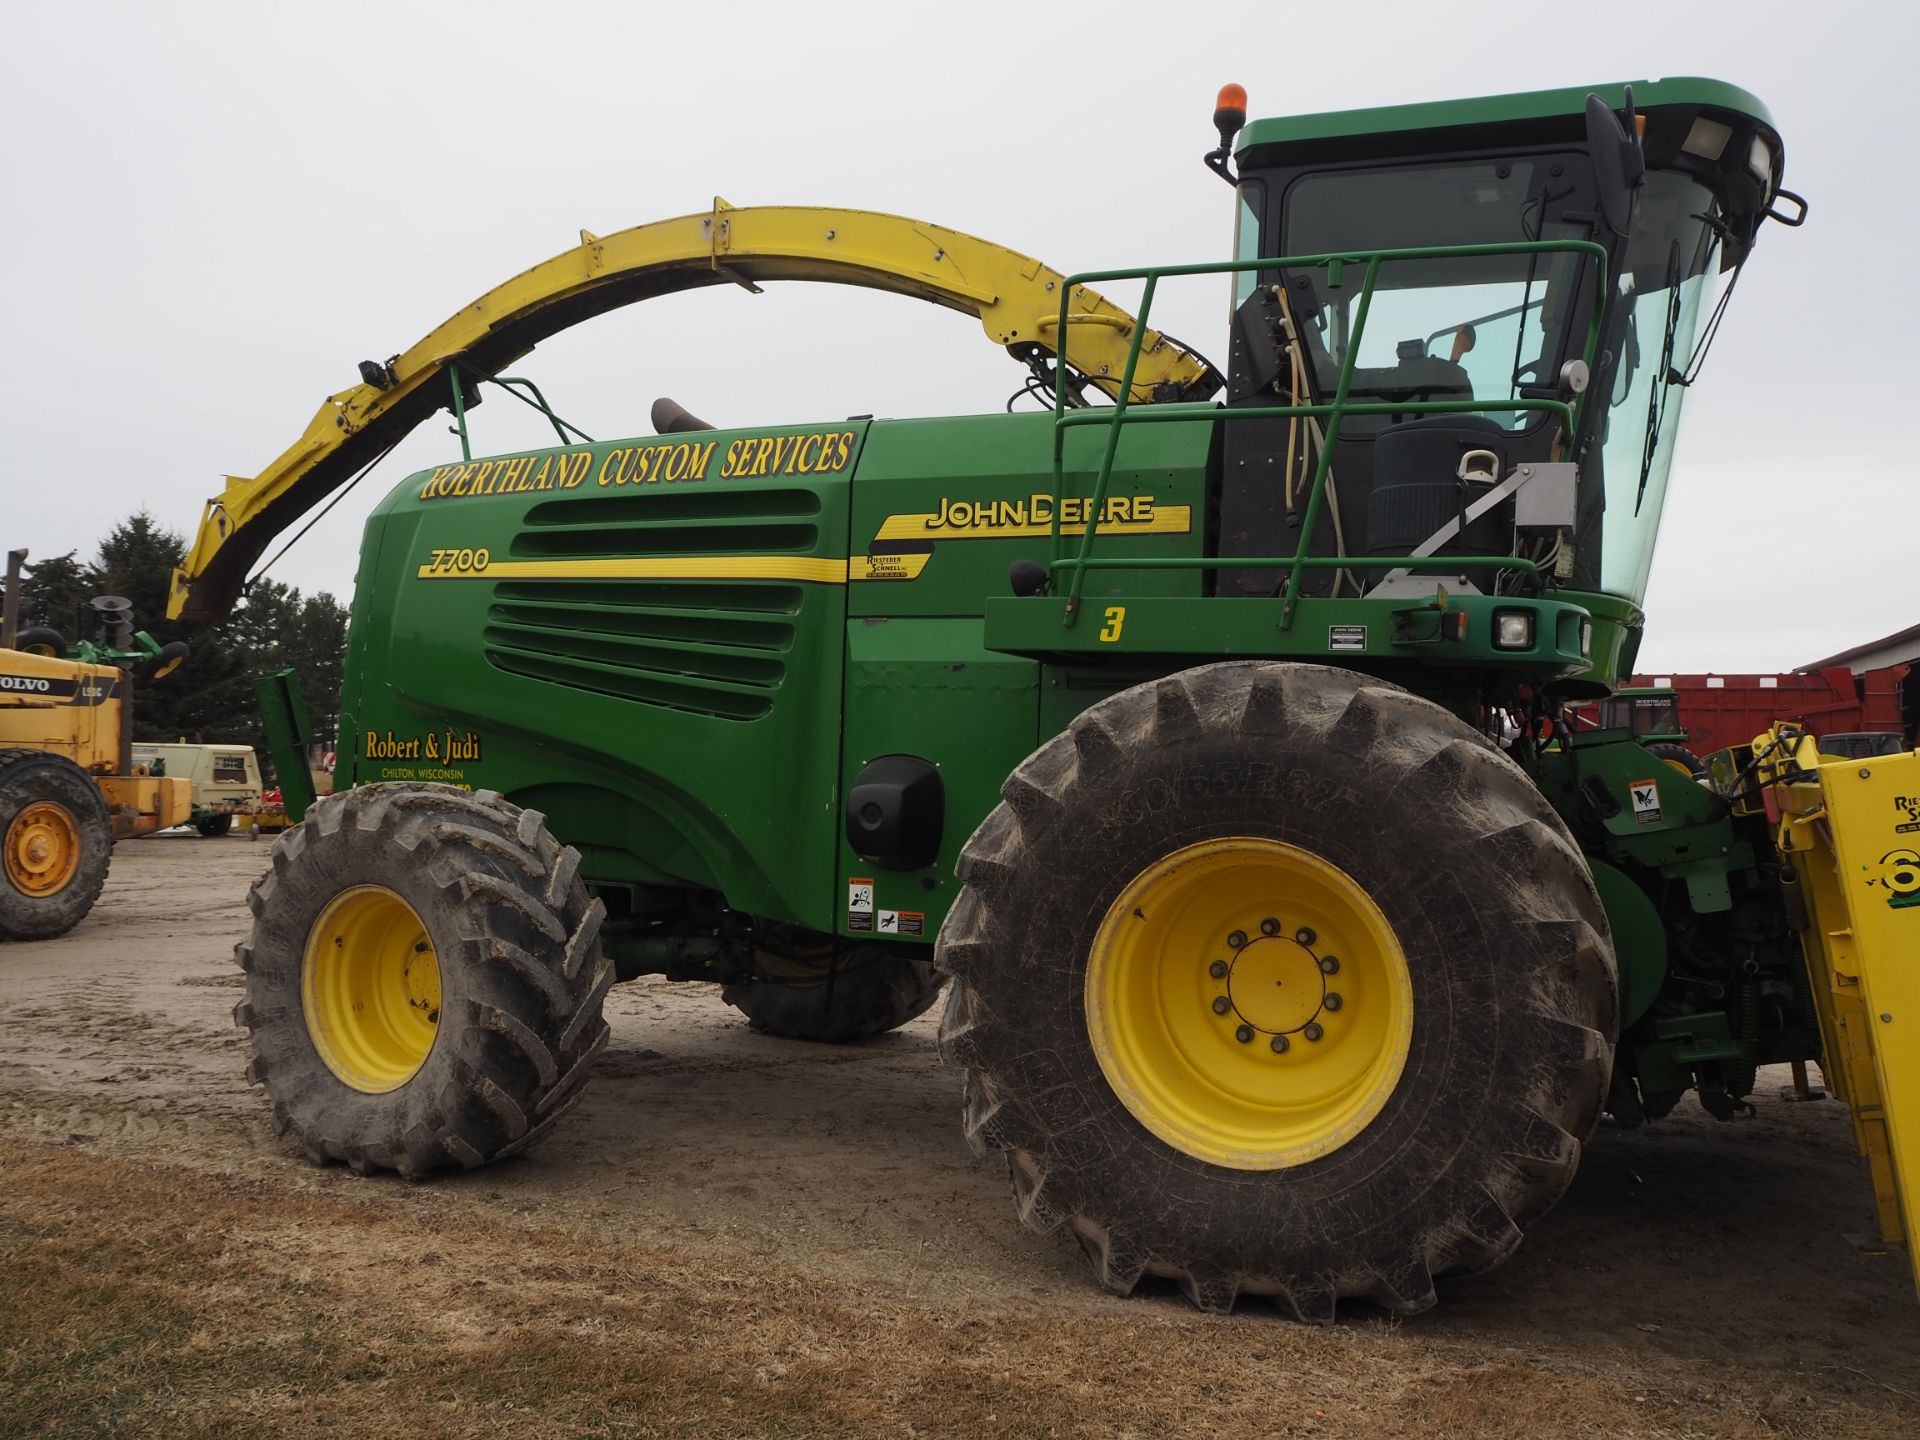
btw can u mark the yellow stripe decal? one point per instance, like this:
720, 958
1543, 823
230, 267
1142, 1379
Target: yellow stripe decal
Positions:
471, 565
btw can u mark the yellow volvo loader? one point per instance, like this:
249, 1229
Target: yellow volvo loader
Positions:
68, 785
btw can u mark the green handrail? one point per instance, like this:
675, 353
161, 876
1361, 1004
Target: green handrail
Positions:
506, 383
1300, 561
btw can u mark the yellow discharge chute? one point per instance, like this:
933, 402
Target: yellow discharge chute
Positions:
1015, 298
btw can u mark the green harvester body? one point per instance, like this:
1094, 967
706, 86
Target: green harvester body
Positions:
688, 650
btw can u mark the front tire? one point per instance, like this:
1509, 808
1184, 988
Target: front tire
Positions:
424, 979
56, 841
1267, 817
214, 826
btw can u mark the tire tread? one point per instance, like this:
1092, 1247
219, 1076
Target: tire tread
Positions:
1413, 744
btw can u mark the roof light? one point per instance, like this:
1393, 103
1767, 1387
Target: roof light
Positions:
1707, 139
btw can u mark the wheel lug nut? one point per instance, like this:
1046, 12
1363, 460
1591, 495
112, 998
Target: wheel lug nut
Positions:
1279, 1044
1221, 1004
1237, 939
1329, 964
1304, 935
1269, 926
1218, 969
1333, 1000
1243, 1034
1312, 1030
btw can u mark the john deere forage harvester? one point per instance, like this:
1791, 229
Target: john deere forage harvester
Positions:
1211, 749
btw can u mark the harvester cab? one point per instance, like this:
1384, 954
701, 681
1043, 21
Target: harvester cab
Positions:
1190, 697
1511, 290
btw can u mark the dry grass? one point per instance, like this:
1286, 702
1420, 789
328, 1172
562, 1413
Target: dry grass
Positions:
282, 1313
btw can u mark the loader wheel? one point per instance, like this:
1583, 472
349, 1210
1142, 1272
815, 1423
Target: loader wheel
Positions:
424, 979
1679, 757
214, 826
1275, 979
56, 840
846, 992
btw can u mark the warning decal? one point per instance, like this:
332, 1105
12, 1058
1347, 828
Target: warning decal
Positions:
860, 904
1645, 795
903, 922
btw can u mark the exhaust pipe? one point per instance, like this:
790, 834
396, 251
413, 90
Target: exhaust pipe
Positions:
10, 617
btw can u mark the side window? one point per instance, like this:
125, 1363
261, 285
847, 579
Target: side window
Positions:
1246, 239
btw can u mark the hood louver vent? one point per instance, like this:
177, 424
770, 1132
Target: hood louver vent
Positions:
709, 647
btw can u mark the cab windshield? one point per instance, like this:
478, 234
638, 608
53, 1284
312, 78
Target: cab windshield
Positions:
1485, 328
1670, 279
1500, 327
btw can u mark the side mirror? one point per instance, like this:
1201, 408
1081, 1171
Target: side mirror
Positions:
1619, 164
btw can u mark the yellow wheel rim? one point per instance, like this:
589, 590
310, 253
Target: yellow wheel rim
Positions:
370, 985
42, 849
1249, 1003
1680, 765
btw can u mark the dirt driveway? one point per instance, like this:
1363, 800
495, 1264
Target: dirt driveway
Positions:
740, 1236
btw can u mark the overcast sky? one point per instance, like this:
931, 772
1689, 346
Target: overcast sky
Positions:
214, 211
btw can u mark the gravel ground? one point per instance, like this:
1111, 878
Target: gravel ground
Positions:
742, 1235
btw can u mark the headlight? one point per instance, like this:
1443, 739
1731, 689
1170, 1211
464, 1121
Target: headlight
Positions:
1513, 630
1586, 638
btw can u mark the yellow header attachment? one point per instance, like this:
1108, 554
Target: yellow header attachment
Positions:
1851, 831
1015, 298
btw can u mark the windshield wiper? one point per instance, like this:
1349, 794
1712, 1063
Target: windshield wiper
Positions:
1663, 378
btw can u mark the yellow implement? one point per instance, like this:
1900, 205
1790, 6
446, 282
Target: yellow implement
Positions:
1015, 298
1851, 829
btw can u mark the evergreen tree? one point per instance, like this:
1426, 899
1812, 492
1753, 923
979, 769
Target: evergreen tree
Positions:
136, 559
52, 591
198, 701
318, 652
209, 698
274, 628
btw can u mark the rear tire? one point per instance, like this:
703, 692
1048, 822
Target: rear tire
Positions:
424, 979
1484, 896
855, 993
41, 640
56, 840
